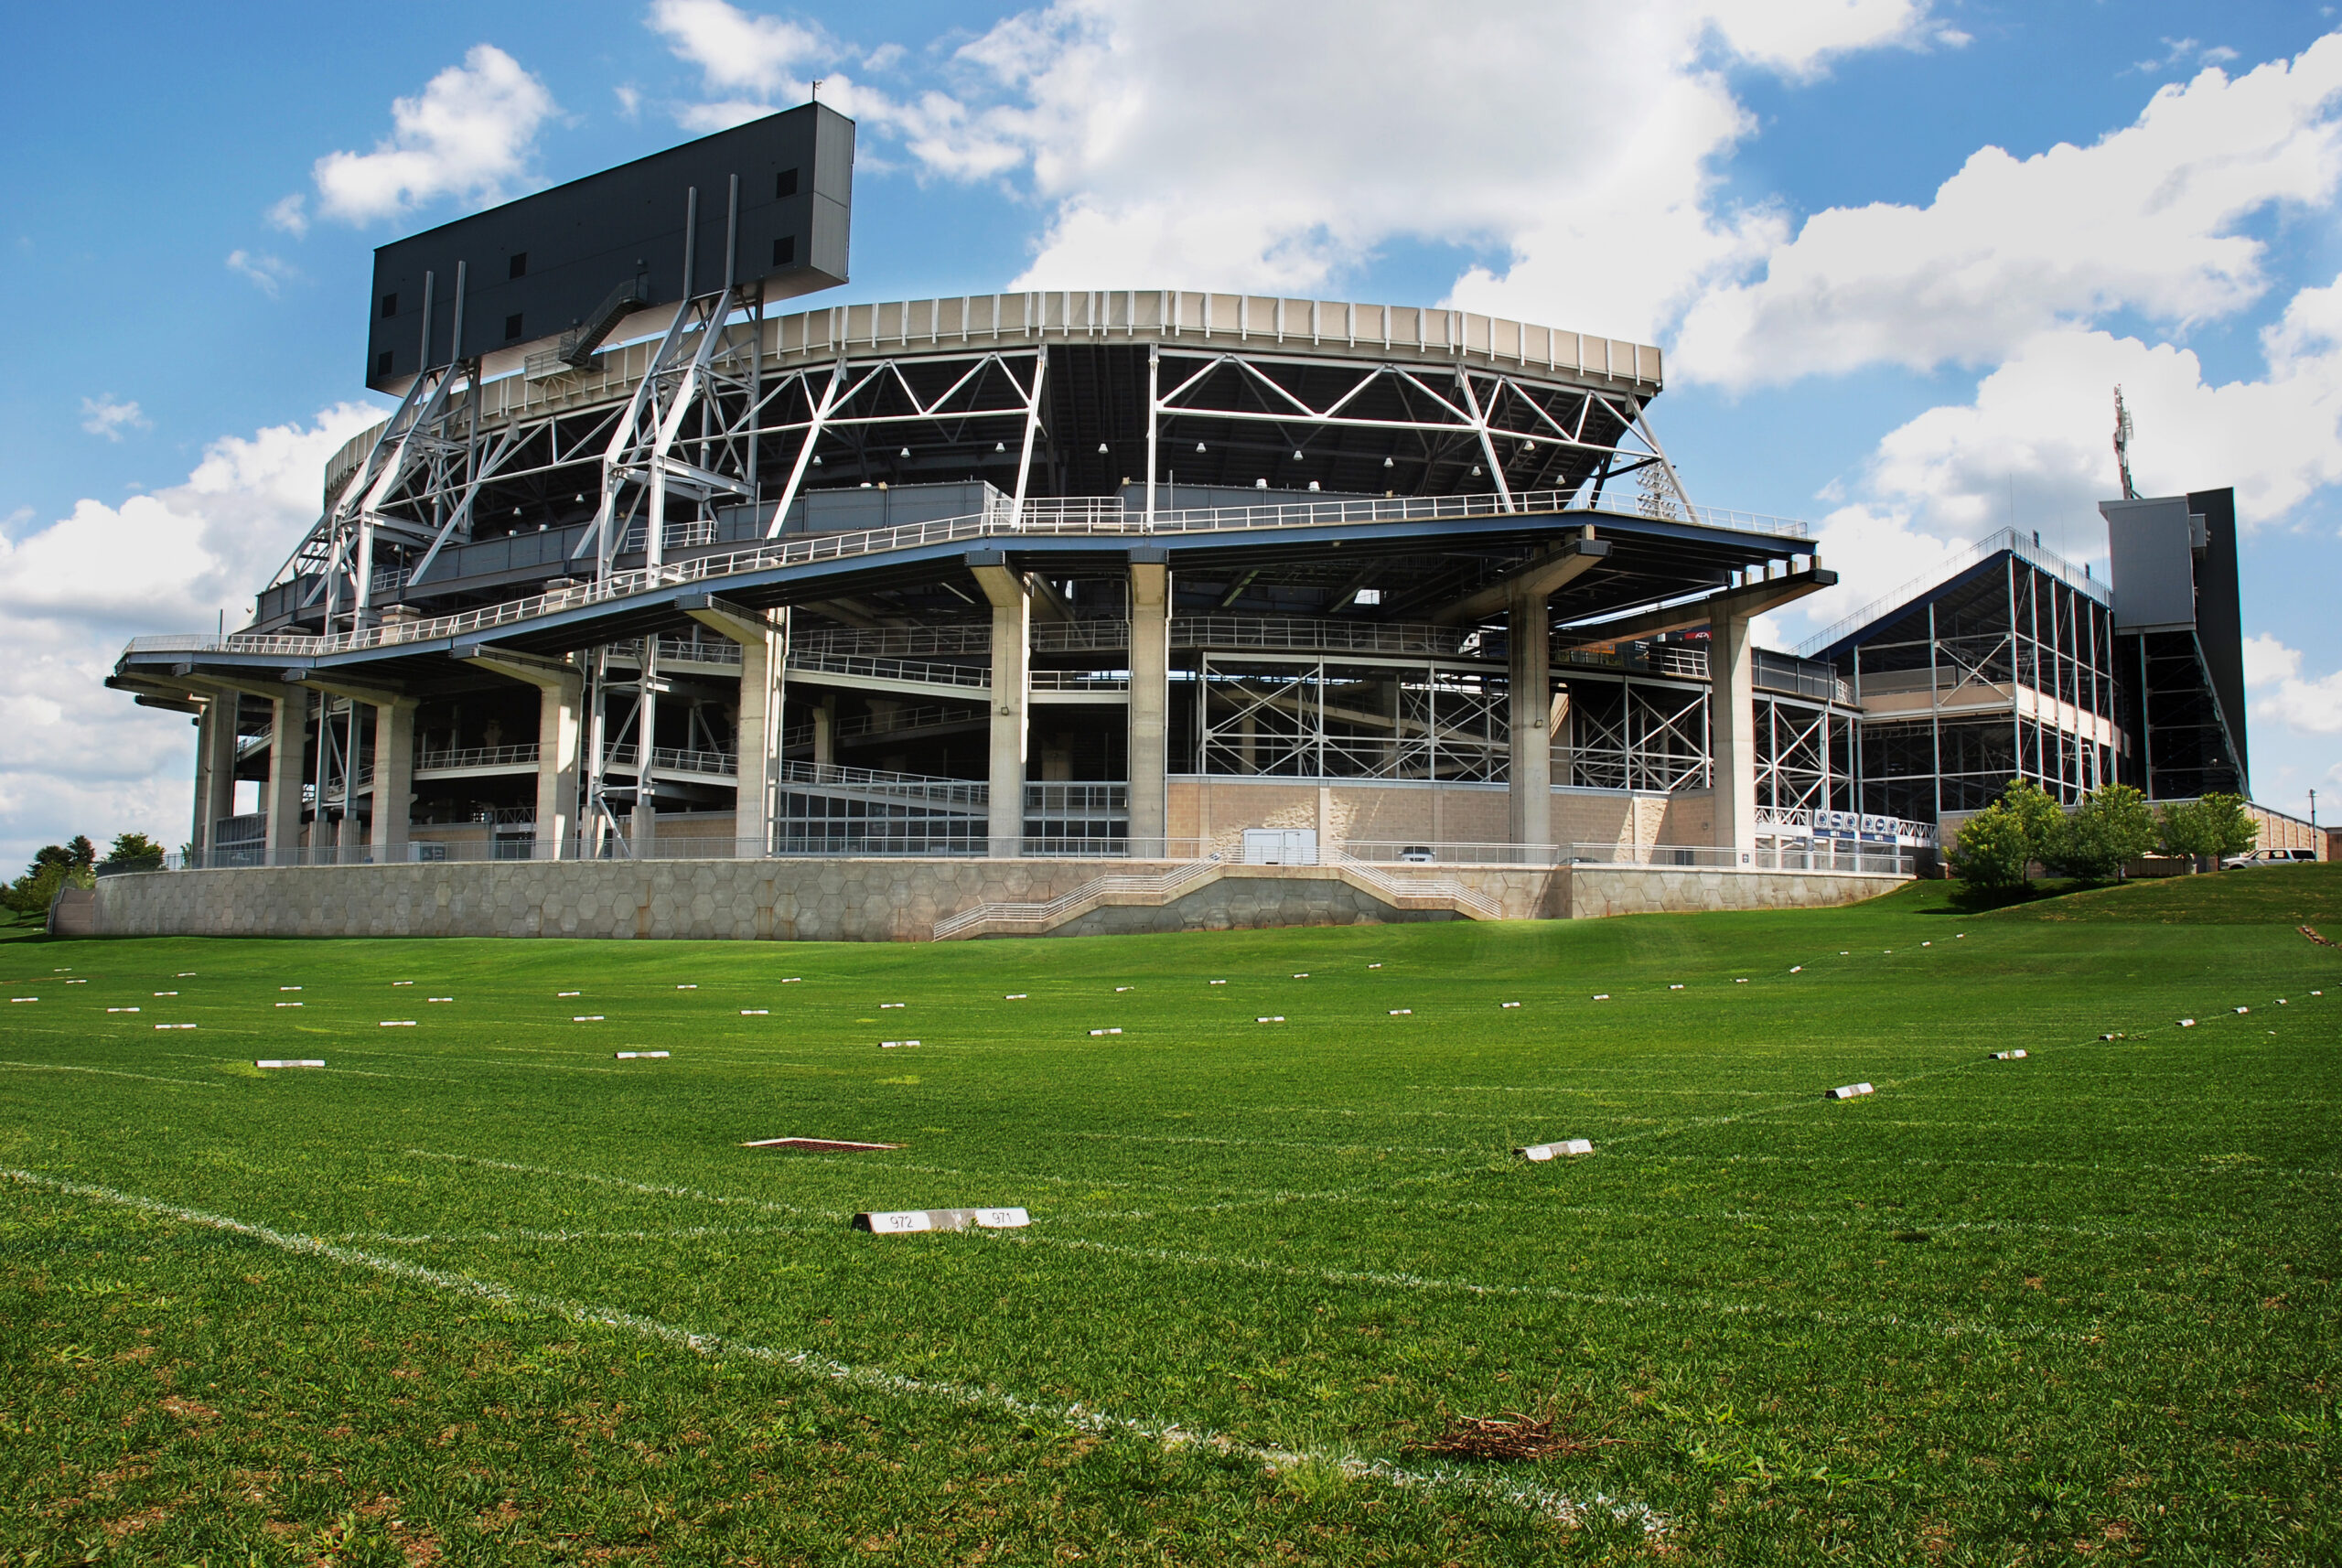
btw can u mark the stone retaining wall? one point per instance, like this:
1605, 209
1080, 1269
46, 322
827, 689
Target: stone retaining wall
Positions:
878, 899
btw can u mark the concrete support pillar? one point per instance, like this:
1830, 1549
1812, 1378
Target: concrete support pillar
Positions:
348, 836
1012, 617
824, 730
287, 759
764, 658
643, 827
215, 768
394, 779
1529, 640
561, 722
1732, 724
1150, 705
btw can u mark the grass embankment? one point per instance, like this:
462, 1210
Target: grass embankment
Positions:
479, 1292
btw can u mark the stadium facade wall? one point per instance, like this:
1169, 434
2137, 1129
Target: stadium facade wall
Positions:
876, 899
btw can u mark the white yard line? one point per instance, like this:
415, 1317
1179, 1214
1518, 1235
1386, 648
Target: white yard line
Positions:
646, 1188
110, 1072
1437, 1479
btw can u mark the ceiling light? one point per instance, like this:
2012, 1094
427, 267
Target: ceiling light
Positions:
1199, 445
817, 459
904, 453
1000, 445
1388, 463
1529, 446
1296, 454
1475, 470
578, 496
1102, 449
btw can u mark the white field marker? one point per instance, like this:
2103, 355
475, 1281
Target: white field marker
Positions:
1796, 969
1850, 1091
1675, 987
635, 1056
397, 1024
2317, 994
1223, 982
85, 982
687, 988
588, 1018
1740, 980
1301, 976
2281, 1002
559, 994
174, 1026
23, 998
398, 982
793, 980
2008, 1056
1273, 1019
894, 1045
884, 1005
122, 1009
301, 1061
1844, 953
1602, 996
908, 1222
288, 1004
184, 974
438, 999
1374, 966
755, 1012
1927, 944
2187, 1023
1095, 1033
1508, 1005
1957, 935
2244, 1010
1402, 1012
1889, 951
158, 992
288, 988
1120, 989
1012, 996
2105, 1036
1564, 1148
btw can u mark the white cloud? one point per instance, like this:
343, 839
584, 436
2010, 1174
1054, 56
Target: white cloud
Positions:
83, 759
736, 52
2145, 218
630, 99
2272, 674
469, 134
1577, 138
268, 273
291, 214
107, 416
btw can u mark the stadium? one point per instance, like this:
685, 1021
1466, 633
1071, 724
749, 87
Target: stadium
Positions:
1117, 610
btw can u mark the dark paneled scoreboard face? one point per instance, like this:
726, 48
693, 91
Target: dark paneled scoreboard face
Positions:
538, 267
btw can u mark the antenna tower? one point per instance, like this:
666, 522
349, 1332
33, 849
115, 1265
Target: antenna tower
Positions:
2123, 446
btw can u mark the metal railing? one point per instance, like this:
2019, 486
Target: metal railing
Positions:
1076, 681
1817, 856
1311, 635
674, 759
978, 676
922, 789
473, 756
1099, 515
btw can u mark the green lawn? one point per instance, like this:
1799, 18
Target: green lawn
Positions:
477, 1292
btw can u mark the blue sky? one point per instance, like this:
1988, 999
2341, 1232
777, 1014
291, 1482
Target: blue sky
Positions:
1762, 188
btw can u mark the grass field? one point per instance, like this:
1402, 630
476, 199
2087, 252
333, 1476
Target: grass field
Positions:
477, 1292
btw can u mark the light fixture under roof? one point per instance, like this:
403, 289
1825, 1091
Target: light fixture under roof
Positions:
1102, 449
1390, 463
1296, 454
904, 453
1475, 470
1199, 445
1000, 445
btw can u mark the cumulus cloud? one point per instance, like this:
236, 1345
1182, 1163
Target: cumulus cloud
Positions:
751, 66
291, 214
469, 134
2145, 218
2273, 674
81, 759
109, 416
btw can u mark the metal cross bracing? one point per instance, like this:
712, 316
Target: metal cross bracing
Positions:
1651, 737
1804, 756
1312, 720
1244, 417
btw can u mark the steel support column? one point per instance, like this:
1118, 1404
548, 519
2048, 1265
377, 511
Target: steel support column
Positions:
1732, 729
560, 702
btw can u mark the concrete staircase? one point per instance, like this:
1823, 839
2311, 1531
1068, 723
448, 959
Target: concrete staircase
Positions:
994, 919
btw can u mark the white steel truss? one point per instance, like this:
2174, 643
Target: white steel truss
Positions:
1313, 721
1638, 735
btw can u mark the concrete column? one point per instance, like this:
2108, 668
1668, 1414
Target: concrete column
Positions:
215, 768
1150, 705
1530, 728
763, 640
394, 779
1732, 724
199, 830
1012, 617
561, 704
643, 827
347, 839
288, 759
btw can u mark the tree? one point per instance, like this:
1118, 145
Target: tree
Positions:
2111, 826
2039, 815
2208, 828
133, 851
1993, 849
